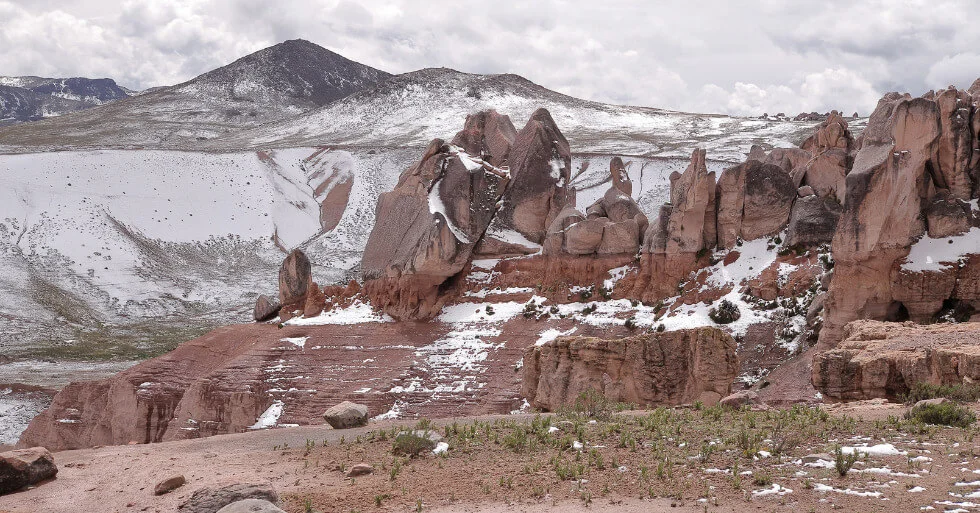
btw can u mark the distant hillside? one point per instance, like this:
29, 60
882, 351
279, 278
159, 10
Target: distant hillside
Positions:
278, 82
32, 98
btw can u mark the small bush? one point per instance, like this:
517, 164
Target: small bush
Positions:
945, 414
412, 444
725, 313
844, 462
964, 393
590, 404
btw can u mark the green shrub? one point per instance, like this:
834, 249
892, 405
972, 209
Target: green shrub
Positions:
964, 392
945, 414
844, 462
725, 313
412, 443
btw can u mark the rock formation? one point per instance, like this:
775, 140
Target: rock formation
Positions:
678, 367
612, 225
684, 231
427, 227
884, 359
295, 281
22, 468
912, 175
541, 163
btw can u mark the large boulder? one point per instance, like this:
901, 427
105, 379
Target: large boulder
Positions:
540, 163
812, 222
614, 224
667, 368
488, 135
251, 506
346, 415
769, 196
25, 467
885, 359
295, 278
265, 308
832, 133
212, 499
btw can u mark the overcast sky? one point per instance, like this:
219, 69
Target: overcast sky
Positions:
736, 57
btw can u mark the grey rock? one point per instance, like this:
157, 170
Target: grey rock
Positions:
346, 415
265, 308
212, 500
813, 221
25, 467
251, 506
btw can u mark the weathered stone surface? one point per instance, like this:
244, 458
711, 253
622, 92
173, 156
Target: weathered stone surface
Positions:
884, 360
251, 506
831, 134
912, 151
427, 227
614, 223
740, 399
169, 484
812, 222
346, 415
662, 368
947, 216
361, 469
295, 278
540, 163
489, 135
265, 309
769, 196
826, 174
211, 500
25, 467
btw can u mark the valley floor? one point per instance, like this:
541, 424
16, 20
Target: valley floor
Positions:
685, 459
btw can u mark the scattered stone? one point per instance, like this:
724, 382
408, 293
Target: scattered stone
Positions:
265, 309
211, 500
361, 469
739, 399
931, 402
346, 415
169, 484
251, 506
25, 467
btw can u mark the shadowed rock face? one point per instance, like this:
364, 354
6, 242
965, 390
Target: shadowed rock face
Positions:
812, 222
540, 162
881, 359
913, 169
678, 367
295, 280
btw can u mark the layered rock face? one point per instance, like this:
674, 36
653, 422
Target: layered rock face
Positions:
884, 359
913, 174
669, 368
612, 225
428, 225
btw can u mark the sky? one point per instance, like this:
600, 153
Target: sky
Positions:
742, 58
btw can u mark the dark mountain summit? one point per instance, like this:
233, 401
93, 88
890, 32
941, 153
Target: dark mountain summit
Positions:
272, 84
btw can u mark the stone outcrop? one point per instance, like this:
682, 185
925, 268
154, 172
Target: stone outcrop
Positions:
25, 467
541, 162
612, 225
884, 360
812, 222
295, 281
265, 309
669, 368
427, 227
913, 166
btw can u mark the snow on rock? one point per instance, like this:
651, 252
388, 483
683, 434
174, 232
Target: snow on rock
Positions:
357, 313
270, 417
929, 254
874, 450
296, 341
550, 334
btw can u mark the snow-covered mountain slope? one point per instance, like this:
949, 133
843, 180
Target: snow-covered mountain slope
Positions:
276, 83
95, 243
32, 98
411, 109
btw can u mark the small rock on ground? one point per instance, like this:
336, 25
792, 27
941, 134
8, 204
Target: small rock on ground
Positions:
169, 484
251, 506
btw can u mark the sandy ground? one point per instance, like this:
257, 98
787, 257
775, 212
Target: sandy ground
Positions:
305, 464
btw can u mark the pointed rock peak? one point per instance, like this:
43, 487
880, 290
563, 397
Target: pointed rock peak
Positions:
697, 162
620, 178
974, 89
542, 116
487, 134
